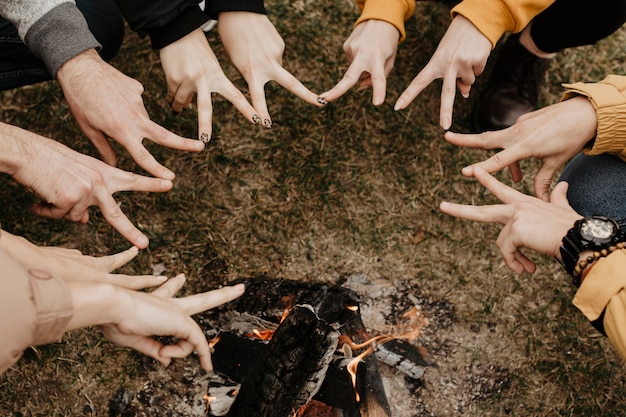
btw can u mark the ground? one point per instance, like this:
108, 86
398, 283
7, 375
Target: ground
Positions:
326, 193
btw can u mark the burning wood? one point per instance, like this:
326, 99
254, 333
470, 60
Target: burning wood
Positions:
312, 347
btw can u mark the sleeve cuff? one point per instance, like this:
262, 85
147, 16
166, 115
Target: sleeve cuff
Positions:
215, 7
60, 35
395, 12
179, 27
604, 281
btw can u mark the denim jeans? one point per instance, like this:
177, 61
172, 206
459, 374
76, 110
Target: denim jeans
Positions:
597, 185
19, 67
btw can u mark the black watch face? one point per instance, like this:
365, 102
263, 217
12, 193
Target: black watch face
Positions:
594, 229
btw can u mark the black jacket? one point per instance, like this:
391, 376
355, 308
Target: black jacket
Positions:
166, 21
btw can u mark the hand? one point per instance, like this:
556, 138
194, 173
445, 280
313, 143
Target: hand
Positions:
371, 51
107, 103
553, 134
528, 221
69, 182
256, 49
190, 68
461, 56
143, 315
72, 265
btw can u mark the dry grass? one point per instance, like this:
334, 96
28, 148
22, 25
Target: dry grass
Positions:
328, 192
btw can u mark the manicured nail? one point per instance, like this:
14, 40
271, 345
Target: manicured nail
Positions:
267, 123
256, 119
204, 137
322, 100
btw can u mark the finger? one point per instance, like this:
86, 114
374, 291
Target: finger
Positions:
110, 263
448, 92
516, 171
496, 213
198, 303
511, 255
164, 137
527, 265
184, 95
129, 181
145, 345
236, 97
194, 340
421, 81
495, 163
114, 215
485, 140
205, 116
559, 195
379, 83
503, 192
464, 89
171, 287
134, 282
103, 146
48, 210
350, 78
543, 180
257, 96
291, 83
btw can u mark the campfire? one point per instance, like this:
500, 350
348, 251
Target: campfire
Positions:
290, 348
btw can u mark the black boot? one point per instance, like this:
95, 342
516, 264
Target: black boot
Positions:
513, 88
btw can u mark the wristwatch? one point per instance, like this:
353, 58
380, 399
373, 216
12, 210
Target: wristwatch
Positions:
596, 233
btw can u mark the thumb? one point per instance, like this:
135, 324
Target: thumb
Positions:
559, 195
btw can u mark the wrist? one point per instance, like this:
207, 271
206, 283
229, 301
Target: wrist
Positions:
95, 303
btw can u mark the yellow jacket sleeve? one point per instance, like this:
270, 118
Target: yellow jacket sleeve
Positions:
395, 12
609, 99
493, 18
604, 289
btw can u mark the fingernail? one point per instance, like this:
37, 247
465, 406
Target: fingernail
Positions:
142, 241
161, 278
256, 119
133, 249
267, 123
465, 95
204, 137
445, 123
240, 287
321, 100
399, 104
166, 184
168, 175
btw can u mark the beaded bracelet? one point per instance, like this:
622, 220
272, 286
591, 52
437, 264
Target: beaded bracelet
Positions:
582, 264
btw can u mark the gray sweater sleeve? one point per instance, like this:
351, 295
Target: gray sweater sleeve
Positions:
54, 30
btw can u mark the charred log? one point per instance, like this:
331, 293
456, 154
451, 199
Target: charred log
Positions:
404, 356
290, 370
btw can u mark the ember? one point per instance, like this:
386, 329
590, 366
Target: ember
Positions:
299, 351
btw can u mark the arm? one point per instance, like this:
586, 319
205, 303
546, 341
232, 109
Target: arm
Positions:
38, 307
496, 17
44, 28
69, 182
608, 98
602, 298
395, 12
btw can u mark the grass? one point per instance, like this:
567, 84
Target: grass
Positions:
327, 192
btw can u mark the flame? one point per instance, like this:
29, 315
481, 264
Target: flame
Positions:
261, 334
352, 308
208, 400
213, 342
411, 330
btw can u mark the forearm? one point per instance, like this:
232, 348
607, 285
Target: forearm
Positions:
17, 148
608, 98
95, 304
493, 18
35, 308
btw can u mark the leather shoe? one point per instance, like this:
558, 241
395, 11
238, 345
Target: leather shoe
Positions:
513, 88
